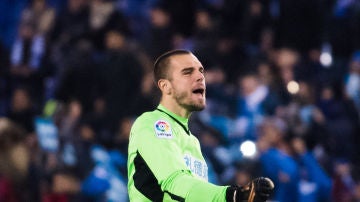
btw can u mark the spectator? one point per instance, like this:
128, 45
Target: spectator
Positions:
315, 183
104, 17
352, 81
310, 69
121, 74
98, 122
230, 57
254, 101
254, 24
219, 93
120, 142
276, 159
205, 37
269, 76
309, 121
121, 138
341, 121
26, 59
79, 77
286, 60
39, 14
22, 109
71, 25
159, 35
14, 161
343, 183
68, 118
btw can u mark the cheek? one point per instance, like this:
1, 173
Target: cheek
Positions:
180, 86
179, 90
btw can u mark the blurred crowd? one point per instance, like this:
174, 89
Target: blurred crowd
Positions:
283, 93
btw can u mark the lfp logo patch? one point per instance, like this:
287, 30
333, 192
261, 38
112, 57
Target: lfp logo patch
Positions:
163, 129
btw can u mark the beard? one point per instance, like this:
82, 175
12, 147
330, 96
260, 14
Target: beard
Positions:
183, 99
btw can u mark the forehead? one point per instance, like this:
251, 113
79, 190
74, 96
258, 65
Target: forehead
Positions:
179, 62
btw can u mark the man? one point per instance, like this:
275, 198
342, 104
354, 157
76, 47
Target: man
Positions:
165, 161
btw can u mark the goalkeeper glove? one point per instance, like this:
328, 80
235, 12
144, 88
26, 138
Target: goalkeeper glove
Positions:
258, 190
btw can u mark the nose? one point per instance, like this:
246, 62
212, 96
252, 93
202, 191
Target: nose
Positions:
200, 76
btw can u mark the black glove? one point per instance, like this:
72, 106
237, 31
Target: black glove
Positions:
258, 190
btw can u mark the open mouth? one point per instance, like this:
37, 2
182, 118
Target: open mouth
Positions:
199, 91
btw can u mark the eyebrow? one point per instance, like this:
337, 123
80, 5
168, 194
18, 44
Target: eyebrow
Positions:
188, 69
191, 69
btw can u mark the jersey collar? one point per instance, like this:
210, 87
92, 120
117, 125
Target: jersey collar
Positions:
183, 121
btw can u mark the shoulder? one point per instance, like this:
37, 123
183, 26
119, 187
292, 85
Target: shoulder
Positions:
153, 122
147, 118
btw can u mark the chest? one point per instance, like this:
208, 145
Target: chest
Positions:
191, 152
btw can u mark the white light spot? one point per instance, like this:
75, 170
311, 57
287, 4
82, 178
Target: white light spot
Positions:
293, 87
326, 59
248, 148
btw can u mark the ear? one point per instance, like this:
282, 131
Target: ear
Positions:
165, 86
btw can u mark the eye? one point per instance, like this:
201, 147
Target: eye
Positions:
187, 71
202, 70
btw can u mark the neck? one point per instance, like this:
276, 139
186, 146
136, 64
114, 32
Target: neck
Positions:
175, 108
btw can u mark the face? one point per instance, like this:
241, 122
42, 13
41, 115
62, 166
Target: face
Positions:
114, 40
187, 82
20, 100
248, 85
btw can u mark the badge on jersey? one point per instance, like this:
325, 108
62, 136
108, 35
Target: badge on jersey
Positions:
163, 129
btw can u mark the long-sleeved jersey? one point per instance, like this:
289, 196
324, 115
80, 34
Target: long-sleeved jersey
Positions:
165, 162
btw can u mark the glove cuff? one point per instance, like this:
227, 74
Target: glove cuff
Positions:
236, 194
231, 193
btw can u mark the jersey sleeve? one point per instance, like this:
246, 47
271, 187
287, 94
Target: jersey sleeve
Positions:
163, 156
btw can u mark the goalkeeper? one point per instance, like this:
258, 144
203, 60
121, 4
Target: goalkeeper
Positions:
165, 161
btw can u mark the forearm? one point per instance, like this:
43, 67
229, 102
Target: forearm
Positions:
194, 189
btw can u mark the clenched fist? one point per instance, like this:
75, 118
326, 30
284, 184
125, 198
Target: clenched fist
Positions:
258, 190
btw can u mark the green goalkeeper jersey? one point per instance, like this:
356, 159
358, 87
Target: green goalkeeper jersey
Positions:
165, 162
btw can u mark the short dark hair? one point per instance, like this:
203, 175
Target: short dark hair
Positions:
161, 64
